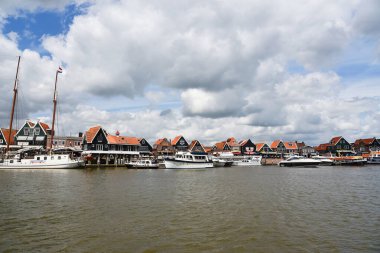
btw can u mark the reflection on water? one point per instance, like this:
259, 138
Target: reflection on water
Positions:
261, 209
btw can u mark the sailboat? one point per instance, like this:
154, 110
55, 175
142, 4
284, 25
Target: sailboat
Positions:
42, 161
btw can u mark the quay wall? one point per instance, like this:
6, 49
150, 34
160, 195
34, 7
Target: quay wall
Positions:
270, 161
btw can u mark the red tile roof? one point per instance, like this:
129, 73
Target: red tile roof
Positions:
30, 123
193, 143
323, 147
367, 141
335, 140
290, 145
220, 145
91, 133
6, 135
176, 139
232, 142
122, 140
275, 144
160, 141
44, 126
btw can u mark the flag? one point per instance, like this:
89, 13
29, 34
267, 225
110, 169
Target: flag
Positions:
59, 70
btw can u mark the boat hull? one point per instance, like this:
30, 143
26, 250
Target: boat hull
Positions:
67, 165
175, 164
252, 161
299, 164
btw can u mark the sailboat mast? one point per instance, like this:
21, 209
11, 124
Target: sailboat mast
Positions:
15, 90
54, 107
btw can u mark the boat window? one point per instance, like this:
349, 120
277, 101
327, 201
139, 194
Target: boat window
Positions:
38, 158
59, 158
11, 161
45, 158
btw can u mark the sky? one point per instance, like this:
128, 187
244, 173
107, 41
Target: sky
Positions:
207, 70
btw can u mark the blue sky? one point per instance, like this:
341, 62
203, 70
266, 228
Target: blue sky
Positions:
205, 69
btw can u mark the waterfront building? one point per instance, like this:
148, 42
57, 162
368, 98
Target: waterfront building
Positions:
31, 134
4, 138
247, 147
99, 147
221, 147
163, 147
61, 142
263, 148
305, 150
291, 148
179, 143
234, 146
337, 145
365, 146
196, 147
278, 146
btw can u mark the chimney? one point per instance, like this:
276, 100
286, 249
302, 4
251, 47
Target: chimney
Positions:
117, 133
80, 134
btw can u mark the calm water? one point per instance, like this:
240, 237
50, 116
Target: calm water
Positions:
263, 209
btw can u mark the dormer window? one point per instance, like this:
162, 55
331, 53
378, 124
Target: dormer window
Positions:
37, 131
26, 131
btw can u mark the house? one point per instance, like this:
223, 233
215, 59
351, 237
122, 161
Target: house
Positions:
247, 147
221, 147
179, 143
162, 147
305, 150
234, 146
278, 146
103, 148
31, 134
336, 145
291, 147
263, 148
196, 147
363, 146
4, 138
74, 142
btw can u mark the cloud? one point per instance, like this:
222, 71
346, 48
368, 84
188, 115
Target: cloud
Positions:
228, 65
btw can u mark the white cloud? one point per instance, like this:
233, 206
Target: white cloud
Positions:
227, 60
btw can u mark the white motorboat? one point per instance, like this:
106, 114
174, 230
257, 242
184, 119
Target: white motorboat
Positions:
187, 160
143, 164
41, 162
324, 161
247, 161
299, 161
220, 162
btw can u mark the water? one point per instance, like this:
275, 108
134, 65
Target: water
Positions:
262, 209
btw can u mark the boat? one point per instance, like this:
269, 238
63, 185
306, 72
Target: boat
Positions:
220, 162
40, 161
143, 164
298, 161
374, 158
187, 160
324, 161
254, 160
348, 158
54, 161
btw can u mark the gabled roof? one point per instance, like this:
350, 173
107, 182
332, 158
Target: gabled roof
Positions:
290, 145
275, 144
160, 141
335, 140
30, 123
243, 142
193, 143
232, 142
176, 139
45, 127
367, 141
91, 133
323, 147
122, 140
6, 135
259, 146
220, 145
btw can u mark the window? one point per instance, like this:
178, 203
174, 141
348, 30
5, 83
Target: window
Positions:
38, 158
26, 131
99, 147
45, 158
59, 158
37, 131
1, 141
